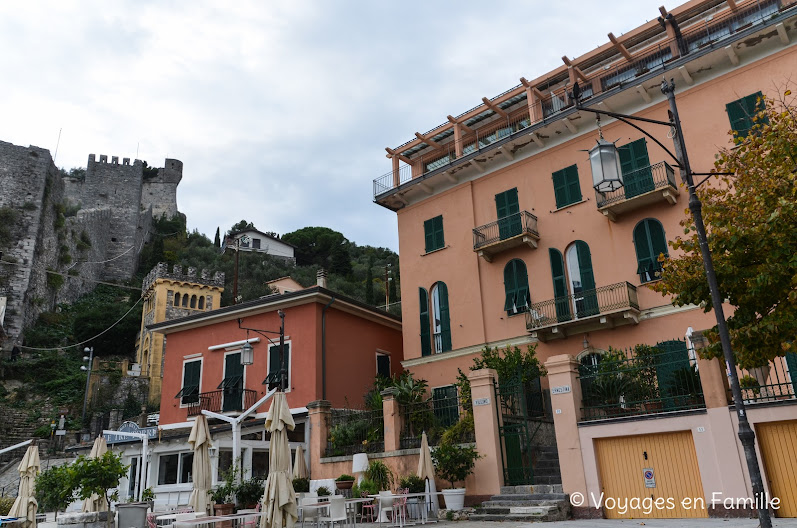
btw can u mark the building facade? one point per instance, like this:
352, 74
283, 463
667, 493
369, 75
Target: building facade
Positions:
252, 240
504, 241
171, 295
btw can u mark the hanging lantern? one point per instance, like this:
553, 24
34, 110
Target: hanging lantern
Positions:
605, 161
247, 354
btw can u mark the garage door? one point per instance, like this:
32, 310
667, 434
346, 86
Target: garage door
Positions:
670, 461
778, 444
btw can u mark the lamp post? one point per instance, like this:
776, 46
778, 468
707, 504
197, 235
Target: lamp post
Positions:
601, 161
90, 359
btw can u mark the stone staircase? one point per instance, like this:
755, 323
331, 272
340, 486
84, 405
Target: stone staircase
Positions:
546, 465
537, 503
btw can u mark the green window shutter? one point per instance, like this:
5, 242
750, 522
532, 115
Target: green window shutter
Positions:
635, 164
510, 286
445, 323
573, 186
233, 383
426, 343
507, 211
560, 188
191, 375
516, 287
561, 301
274, 359
742, 111
523, 298
233, 367
438, 232
428, 232
650, 242
590, 306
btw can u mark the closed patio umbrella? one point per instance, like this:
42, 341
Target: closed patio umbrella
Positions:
299, 467
279, 499
426, 472
201, 473
95, 503
25, 505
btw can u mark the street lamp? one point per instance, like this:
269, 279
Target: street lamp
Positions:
607, 176
90, 359
603, 173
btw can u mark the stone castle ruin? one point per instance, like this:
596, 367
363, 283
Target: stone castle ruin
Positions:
57, 230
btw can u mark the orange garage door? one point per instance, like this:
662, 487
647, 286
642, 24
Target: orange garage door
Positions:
778, 444
622, 463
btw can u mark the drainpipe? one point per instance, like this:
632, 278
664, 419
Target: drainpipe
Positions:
324, 348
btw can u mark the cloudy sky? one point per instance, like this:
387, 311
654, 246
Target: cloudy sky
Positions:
280, 111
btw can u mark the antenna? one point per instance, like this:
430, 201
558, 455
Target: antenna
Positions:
56, 145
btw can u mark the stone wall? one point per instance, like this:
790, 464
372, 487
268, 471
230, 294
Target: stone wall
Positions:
161, 192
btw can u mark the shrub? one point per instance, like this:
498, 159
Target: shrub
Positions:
344, 478
380, 475
454, 462
323, 491
301, 485
364, 488
249, 492
5, 505
414, 483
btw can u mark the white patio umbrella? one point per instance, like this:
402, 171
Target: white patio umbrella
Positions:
426, 472
25, 505
299, 467
95, 503
201, 472
279, 499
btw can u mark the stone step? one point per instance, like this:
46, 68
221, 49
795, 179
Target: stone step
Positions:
528, 489
509, 504
519, 497
557, 512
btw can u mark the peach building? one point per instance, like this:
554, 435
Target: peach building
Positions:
504, 241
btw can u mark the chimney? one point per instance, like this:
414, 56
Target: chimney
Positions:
321, 277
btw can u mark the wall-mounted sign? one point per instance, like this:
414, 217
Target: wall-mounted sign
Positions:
130, 427
481, 401
650, 478
563, 389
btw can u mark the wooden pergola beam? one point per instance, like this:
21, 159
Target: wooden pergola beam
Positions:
429, 141
495, 108
619, 46
464, 127
732, 5
393, 154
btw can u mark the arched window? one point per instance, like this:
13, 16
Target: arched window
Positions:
176, 299
185, 300
561, 301
650, 242
201, 302
193, 301
581, 279
516, 287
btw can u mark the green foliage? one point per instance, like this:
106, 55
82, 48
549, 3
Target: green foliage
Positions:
99, 476
5, 504
249, 492
43, 431
217, 238
413, 482
369, 282
750, 218
454, 462
750, 383
364, 488
243, 225
148, 495
64, 257
460, 432
54, 279
323, 491
450, 515
55, 488
223, 493
29, 206
323, 247
301, 485
344, 478
149, 172
380, 475
84, 242
511, 363
464, 392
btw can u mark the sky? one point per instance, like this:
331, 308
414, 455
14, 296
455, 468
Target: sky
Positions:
279, 111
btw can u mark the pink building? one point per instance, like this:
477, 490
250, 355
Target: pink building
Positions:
503, 241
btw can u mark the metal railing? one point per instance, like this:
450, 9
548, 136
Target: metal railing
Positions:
771, 383
223, 400
603, 77
355, 431
432, 416
639, 182
582, 304
517, 224
641, 380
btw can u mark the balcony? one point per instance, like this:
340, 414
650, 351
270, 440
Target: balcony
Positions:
604, 307
222, 401
509, 232
642, 188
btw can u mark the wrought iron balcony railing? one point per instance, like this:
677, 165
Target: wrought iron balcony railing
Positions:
224, 400
639, 182
514, 225
581, 305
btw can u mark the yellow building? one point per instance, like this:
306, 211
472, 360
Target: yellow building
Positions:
169, 295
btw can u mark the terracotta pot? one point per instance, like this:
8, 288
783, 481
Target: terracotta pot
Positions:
344, 484
224, 509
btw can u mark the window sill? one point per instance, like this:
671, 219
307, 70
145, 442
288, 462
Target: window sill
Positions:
569, 205
434, 251
515, 314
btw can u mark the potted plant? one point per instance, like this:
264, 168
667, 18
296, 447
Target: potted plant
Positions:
222, 495
344, 482
301, 485
454, 463
148, 496
413, 484
380, 475
323, 491
249, 492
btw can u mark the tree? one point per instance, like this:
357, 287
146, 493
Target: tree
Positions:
217, 239
751, 221
369, 282
243, 225
55, 488
97, 476
511, 362
321, 246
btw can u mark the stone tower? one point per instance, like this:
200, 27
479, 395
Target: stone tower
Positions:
170, 295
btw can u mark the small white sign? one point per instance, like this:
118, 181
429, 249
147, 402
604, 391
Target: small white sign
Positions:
60, 432
650, 477
481, 401
701, 429
564, 389
558, 411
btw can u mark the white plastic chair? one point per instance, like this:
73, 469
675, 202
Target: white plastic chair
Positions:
337, 510
386, 505
311, 513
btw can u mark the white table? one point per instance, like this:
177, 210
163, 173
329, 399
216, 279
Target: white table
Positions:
424, 514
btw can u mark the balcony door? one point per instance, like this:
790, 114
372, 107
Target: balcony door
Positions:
233, 384
508, 212
635, 164
581, 280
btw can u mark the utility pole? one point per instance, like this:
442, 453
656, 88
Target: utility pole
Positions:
387, 285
